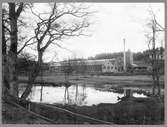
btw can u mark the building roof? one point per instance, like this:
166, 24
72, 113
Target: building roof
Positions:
98, 62
87, 62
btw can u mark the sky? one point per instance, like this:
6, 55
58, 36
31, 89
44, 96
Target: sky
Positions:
112, 22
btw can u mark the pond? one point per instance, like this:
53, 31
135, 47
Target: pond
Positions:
78, 94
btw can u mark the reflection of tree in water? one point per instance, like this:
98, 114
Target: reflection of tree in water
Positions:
41, 93
66, 95
68, 99
76, 93
33, 91
78, 97
31, 94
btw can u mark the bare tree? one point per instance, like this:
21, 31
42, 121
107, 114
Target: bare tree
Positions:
52, 27
12, 53
154, 52
5, 85
5, 30
11, 39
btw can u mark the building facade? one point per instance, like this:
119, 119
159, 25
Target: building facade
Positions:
88, 66
114, 65
109, 65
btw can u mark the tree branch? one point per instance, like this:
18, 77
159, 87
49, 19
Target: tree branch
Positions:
26, 44
19, 10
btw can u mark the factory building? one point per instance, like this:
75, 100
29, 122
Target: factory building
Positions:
109, 65
102, 65
114, 65
123, 63
89, 66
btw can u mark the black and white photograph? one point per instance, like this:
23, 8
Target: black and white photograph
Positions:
83, 63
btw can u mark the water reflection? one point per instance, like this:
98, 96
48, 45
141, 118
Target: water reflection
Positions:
75, 95
79, 94
41, 93
66, 96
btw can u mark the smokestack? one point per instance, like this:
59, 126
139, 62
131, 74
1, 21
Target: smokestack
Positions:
124, 55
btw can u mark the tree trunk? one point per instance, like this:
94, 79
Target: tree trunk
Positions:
154, 83
153, 60
158, 85
157, 79
3, 39
158, 75
31, 80
5, 84
12, 54
33, 76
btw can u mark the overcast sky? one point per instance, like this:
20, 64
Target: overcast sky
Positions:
112, 23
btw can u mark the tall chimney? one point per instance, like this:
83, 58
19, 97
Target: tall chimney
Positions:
124, 55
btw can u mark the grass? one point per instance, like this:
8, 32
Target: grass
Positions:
129, 111
136, 80
14, 115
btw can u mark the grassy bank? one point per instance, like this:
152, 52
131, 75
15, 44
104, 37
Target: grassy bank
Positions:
128, 111
12, 114
136, 80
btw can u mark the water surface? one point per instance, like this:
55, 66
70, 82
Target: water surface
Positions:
76, 94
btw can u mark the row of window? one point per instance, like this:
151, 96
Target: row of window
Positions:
108, 67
